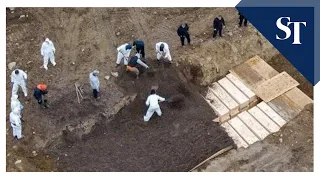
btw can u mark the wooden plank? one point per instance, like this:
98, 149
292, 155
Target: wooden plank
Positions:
253, 125
219, 108
242, 87
225, 98
243, 130
234, 135
261, 67
275, 86
234, 92
298, 97
264, 120
247, 75
285, 107
271, 114
213, 156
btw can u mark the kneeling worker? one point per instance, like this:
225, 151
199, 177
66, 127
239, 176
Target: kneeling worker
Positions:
133, 62
40, 91
163, 51
153, 103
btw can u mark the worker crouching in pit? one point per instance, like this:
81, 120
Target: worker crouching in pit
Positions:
39, 92
134, 64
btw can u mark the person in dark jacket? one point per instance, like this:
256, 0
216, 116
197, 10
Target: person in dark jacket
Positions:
39, 91
218, 25
241, 18
139, 45
183, 33
133, 64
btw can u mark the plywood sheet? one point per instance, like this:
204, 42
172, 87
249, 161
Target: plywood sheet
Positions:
242, 87
275, 86
261, 67
247, 75
285, 107
253, 125
234, 135
225, 98
243, 130
234, 92
298, 97
264, 120
271, 114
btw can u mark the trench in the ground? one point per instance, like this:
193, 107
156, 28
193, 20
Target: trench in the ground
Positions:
180, 139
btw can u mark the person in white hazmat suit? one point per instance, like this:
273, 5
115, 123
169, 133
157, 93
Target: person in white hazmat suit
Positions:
123, 53
16, 104
153, 103
15, 120
163, 51
18, 78
95, 83
47, 51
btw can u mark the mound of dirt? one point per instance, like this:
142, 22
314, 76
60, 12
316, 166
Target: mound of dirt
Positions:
176, 141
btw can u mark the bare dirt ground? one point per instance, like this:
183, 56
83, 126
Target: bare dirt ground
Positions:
69, 135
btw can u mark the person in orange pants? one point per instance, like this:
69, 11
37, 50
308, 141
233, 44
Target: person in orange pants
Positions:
133, 62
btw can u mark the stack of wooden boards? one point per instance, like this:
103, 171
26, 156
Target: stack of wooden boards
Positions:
235, 99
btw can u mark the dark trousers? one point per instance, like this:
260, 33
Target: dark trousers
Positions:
95, 93
38, 98
241, 21
183, 37
215, 32
141, 51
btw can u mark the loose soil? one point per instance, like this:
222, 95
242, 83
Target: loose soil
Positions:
176, 141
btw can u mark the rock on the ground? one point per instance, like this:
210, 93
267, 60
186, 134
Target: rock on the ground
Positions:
22, 16
107, 77
280, 140
118, 33
115, 74
29, 62
34, 153
18, 162
12, 65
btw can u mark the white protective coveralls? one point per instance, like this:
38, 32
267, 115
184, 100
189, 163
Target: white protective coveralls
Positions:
123, 54
47, 51
94, 81
153, 103
16, 123
19, 80
15, 103
165, 53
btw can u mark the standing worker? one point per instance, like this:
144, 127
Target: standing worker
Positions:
40, 91
153, 103
47, 51
241, 18
163, 51
18, 78
123, 53
183, 33
15, 120
218, 25
15, 103
139, 45
95, 83
132, 65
